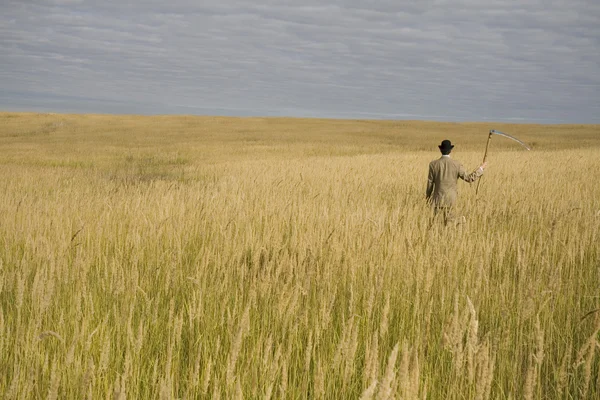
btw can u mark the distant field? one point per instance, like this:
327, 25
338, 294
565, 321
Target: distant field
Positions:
204, 257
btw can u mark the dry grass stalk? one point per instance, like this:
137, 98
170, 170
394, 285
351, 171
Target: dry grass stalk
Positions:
319, 380
244, 326
53, 334
404, 377
530, 379
369, 392
486, 361
206, 376
454, 337
415, 376
385, 315
387, 381
371, 370
472, 341
563, 375
54, 382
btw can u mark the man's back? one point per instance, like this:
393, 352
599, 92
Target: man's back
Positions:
443, 175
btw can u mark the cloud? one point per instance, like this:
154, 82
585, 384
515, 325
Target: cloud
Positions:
455, 59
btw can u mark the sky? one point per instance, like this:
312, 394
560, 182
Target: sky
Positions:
449, 60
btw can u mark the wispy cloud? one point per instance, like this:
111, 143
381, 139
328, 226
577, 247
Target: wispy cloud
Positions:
455, 59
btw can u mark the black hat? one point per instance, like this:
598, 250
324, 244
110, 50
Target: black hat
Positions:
446, 145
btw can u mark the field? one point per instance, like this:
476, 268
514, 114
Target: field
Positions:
200, 257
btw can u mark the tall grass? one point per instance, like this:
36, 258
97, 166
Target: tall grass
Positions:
181, 257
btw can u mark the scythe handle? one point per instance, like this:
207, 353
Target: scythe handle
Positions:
484, 159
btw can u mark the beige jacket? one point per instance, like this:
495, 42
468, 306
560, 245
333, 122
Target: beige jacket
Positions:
443, 176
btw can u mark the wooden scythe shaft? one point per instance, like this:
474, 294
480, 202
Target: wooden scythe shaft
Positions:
484, 159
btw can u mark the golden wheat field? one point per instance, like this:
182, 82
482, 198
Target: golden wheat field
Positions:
202, 257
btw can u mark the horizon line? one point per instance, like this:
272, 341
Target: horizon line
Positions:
513, 121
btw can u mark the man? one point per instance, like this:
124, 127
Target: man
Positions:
441, 183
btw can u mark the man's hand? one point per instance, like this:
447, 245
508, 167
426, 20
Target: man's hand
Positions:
482, 166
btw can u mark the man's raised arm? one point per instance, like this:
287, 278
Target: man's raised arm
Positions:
472, 177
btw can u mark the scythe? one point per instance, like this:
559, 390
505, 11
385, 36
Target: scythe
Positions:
495, 132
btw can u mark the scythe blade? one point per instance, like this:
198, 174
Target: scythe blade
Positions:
506, 135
